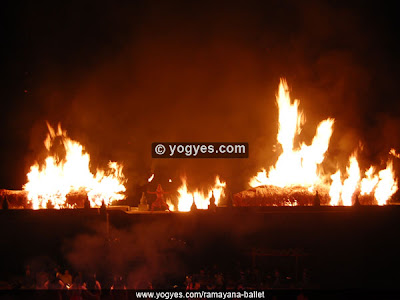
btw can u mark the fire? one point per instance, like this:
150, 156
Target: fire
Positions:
201, 198
151, 178
369, 182
386, 186
336, 188
299, 166
60, 176
351, 183
381, 186
394, 153
295, 166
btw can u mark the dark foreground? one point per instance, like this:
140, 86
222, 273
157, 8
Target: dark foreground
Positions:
312, 248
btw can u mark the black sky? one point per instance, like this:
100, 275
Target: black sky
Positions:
119, 77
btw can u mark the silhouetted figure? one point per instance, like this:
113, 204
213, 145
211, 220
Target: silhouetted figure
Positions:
212, 206
189, 282
5, 203
66, 278
76, 289
305, 279
277, 279
118, 289
219, 280
229, 202
301, 296
57, 272
160, 203
193, 207
202, 279
29, 282
86, 203
357, 202
143, 203
103, 208
93, 288
192, 283
53, 283
49, 205
317, 200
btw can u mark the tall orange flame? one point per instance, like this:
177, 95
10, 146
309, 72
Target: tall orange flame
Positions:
295, 166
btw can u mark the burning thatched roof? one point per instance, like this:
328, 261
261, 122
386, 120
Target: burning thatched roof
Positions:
15, 198
268, 195
19, 198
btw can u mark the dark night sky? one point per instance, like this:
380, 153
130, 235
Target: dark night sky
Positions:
121, 77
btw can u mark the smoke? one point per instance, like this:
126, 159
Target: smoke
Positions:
146, 249
149, 250
120, 78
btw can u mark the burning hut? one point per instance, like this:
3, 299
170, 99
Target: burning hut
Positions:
269, 195
298, 171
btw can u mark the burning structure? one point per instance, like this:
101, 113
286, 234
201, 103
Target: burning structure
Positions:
68, 176
65, 180
297, 174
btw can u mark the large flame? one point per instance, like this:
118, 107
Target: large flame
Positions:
295, 166
386, 186
336, 188
201, 198
381, 186
351, 183
299, 166
369, 182
60, 176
